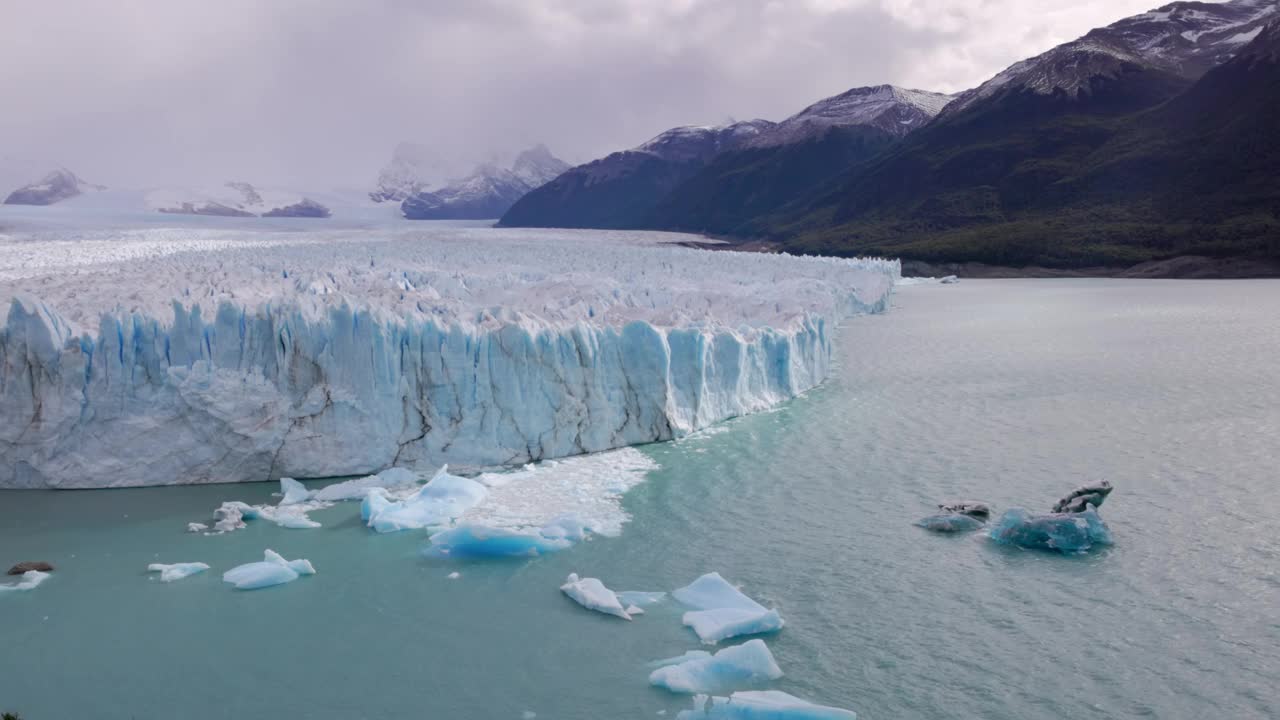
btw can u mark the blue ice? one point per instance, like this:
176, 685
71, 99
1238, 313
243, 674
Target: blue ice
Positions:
273, 570
475, 540
1064, 532
722, 611
737, 666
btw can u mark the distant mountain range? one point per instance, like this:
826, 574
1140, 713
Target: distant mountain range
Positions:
1150, 138
59, 185
486, 193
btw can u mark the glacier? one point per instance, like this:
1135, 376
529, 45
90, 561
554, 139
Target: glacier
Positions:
156, 356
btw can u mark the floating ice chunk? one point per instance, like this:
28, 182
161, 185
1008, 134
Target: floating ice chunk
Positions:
689, 655
358, 489
949, 280
567, 527
1064, 532
473, 540
723, 611
177, 571
949, 523
454, 575
590, 593
375, 501
761, 705
294, 492
446, 497
972, 508
296, 521
31, 579
750, 663
713, 626
632, 610
640, 598
273, 570
196, 527
1080, 499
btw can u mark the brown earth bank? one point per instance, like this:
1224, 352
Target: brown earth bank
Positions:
1199, 267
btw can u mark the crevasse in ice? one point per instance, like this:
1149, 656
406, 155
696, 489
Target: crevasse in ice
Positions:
249, 355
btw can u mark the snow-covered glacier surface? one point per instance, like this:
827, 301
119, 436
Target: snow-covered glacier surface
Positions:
194, 354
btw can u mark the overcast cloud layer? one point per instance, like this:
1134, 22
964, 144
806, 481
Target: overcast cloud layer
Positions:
315, 94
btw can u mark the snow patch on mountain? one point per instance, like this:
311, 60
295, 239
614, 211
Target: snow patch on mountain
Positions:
488, 192
233, 199
895, 110
1183, 38
59, 185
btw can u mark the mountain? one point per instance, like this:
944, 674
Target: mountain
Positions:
57, 186
413, 168
234, 199
1094, 153
620, 190
488, 192
789, 160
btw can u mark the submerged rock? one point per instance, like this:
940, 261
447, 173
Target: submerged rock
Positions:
28, 566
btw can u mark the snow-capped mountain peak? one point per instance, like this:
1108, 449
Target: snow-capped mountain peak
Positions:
895, 110
57, 186
488, 191
689, 143
1182, 38
537, 166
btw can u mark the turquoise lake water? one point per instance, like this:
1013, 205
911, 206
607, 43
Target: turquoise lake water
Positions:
1012, 392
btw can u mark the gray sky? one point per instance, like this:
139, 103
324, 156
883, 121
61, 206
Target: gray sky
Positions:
315, 94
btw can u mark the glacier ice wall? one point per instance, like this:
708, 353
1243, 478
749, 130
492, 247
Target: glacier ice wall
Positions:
345, 358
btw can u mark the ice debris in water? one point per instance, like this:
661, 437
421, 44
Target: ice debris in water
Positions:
747, 664
1080, 499
591, 593
640, 598
444, 498
722, 611
958, 516
177, 571
949, 523
197, 527
294, 492
273, 570
30, 580
476, 540
761, 705
1064, 532
357, 489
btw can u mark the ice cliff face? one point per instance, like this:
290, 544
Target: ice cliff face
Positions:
248, 356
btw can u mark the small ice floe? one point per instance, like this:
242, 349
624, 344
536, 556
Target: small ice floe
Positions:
475, 540
761, 705
30, 580
722, 611
1063, 532
177, 571
273, 570
357, 489
294, 492
1080, 499
737, 666
444, 498
197, 527
454, 575
590, 593
959, 516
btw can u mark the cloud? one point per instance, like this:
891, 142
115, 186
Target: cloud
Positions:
316, 93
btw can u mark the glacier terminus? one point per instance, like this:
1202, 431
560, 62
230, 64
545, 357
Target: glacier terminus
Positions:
192, 354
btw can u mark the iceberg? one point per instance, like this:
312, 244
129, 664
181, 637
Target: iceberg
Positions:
446, 497
294, 492
30, 580
722, 611
761, 705
1063, 532
475, 540
747, 664
177, 571
273, 570
248, 356
590, 593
